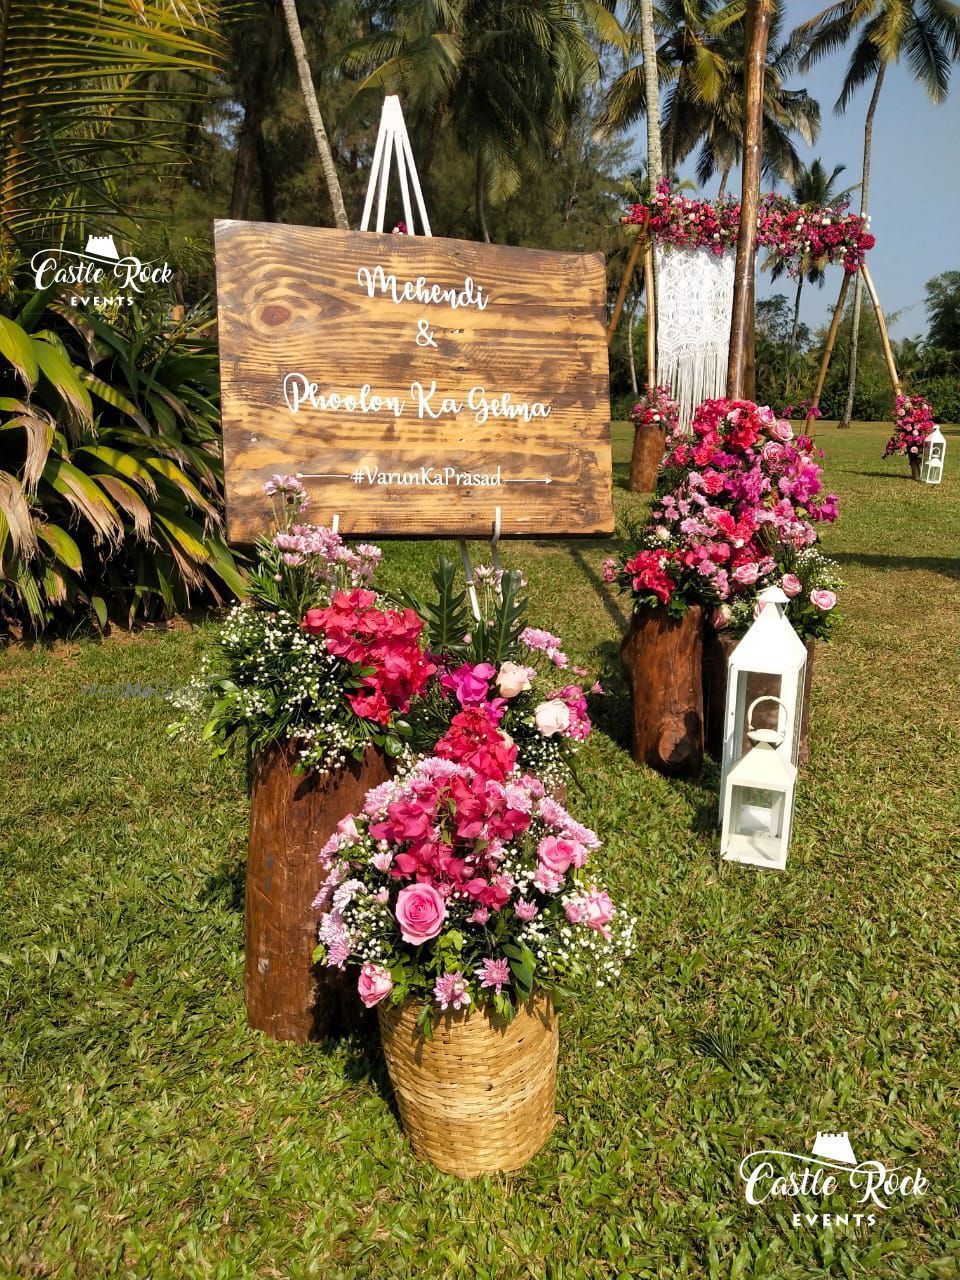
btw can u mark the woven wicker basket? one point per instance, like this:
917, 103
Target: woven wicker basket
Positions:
479, 1097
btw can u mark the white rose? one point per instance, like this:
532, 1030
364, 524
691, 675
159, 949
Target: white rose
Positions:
552, 717
513, 679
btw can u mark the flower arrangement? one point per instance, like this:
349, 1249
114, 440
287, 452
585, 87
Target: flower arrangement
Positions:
742, 502
313, 656
796, 233
912, 423
465, 884
500, 682
656, 409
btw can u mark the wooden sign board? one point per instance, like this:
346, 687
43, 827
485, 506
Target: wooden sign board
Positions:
415, 384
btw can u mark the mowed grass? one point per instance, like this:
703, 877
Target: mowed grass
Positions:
150, 1133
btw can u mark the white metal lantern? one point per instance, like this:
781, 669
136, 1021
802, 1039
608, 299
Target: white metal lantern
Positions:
934, 453
769, 662
758, 797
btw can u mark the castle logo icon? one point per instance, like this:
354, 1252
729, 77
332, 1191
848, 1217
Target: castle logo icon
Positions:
834, 1146
102, 247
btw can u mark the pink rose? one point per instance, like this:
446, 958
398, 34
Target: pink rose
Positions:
772, 452
420, 913
559, 855
513, 679
746, 574
824, 600
782, 431
598, 910
374, 984
552, 717
791, 585
720, 618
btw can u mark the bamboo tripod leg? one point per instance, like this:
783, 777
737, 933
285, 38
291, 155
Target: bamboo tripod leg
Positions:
624, 286
828, 349
651, 316
882, 325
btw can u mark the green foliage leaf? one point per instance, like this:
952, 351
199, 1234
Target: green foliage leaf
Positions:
18, 347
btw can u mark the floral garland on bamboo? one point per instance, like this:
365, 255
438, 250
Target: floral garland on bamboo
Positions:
796, 233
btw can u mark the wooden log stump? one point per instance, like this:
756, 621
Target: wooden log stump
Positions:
291, 818
663, 658
914, 460
717, 648
649, 444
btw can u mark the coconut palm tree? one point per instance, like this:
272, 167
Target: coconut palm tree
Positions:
508, 77
85, 92
701, 59
927, 32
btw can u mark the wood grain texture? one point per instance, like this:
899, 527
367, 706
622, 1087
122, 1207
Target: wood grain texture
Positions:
663, 662
290, 302
291, 817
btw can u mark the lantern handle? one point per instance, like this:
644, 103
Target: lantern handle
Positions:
769, 697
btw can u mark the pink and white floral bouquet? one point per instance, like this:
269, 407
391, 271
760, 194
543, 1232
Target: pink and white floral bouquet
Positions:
912, 422
656, 410
313, 657
498, 678
744, 498
466, 885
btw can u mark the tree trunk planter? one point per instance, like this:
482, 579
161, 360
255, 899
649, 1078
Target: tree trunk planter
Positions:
291, 817
914, 460
717, 647
649, 444
663, 658
480, 1096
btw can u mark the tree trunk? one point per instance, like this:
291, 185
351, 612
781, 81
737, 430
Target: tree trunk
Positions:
630, 356
758, 31
245, 164
663, 658
649, 444
796, 318
651, 80
857, 284
268, 191
313, 113
721, 192
478, 197
291, 818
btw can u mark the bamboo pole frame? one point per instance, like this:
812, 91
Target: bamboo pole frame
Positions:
625, 284
882, 326
828, 348
648, 284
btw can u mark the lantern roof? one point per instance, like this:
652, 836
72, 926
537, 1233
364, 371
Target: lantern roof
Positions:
936, 436
770, 646
762, 767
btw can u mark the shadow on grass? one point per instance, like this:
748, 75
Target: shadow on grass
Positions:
226, 888
869, 560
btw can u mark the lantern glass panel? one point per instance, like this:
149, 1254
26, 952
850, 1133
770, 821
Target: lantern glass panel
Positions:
768, 715
756, 822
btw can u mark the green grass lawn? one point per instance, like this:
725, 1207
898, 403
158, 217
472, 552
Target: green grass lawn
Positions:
150, 1133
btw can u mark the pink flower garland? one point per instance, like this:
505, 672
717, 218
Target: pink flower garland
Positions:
795, 232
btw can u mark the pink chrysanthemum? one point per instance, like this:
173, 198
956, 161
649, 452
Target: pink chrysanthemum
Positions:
451, 991
494, 973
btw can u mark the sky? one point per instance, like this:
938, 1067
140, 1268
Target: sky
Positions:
914, 182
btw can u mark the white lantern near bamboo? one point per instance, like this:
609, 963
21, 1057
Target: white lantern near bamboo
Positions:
758, 795
769, 662
932, 458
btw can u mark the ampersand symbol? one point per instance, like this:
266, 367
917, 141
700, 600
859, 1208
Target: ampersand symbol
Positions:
424, 336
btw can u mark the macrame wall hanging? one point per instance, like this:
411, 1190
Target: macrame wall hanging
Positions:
694, 307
